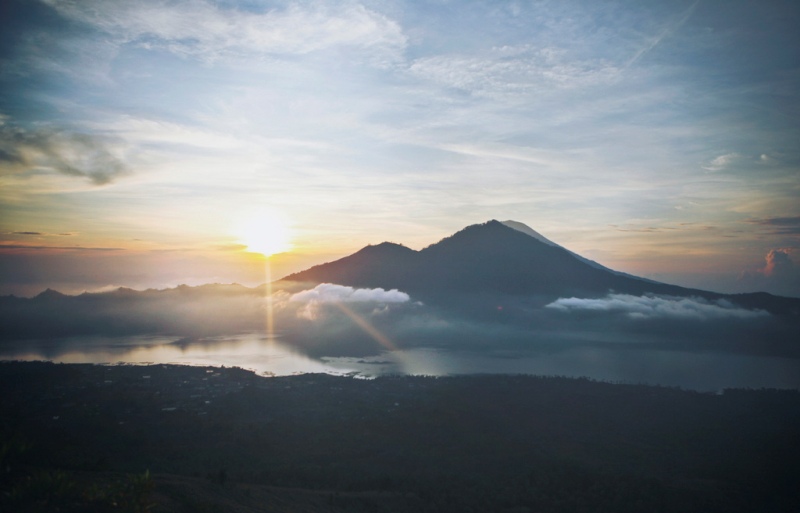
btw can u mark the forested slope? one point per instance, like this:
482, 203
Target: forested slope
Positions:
480, 443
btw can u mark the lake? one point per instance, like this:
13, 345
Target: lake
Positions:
705, 371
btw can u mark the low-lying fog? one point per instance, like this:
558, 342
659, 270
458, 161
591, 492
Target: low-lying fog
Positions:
687, 342
706, 371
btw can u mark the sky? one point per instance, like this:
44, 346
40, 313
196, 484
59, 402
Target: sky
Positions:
137, 139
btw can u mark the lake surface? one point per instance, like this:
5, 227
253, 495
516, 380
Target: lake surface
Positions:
706, 371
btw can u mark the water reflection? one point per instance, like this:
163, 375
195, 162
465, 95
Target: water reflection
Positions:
691, 370
270, 356
254, 351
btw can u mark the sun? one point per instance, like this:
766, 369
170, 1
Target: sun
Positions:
265, 232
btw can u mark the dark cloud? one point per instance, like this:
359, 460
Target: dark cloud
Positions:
779, 274
61, 248
780, 225
66, 152
779, 263
40, 234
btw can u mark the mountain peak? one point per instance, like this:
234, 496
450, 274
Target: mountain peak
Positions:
50, 294
379, 265
527, 230
485, 237
487, 258
385, 248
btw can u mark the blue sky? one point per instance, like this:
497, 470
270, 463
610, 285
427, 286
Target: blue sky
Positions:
658, 138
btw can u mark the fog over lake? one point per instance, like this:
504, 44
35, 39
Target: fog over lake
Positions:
705, 371
696, 340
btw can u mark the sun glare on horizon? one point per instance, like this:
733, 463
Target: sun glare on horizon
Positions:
265, 232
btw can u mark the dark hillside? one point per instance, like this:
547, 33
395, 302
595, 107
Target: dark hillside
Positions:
497, 259
482, 443
492, 263
384, 265
485, 259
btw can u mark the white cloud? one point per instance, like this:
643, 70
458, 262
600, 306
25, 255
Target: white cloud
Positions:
331, 293
658, 307
164, 132
722, 162
512, 70
199, 27
314, 302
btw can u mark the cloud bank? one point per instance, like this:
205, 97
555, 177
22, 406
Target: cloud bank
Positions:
335, 320
780, 225
658, 307
331, 293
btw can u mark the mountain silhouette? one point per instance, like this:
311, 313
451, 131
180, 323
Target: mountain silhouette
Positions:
487, 282
489, 258
384, 265
533, 233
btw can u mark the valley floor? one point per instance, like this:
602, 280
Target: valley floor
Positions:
168, 438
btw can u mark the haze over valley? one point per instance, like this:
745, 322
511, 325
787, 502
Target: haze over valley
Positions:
488, 299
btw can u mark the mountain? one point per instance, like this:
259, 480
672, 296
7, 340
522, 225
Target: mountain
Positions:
527, 230
491, 258
384, 265
536, 235
487, 282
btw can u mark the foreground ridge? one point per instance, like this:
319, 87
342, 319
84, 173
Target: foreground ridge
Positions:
492, 443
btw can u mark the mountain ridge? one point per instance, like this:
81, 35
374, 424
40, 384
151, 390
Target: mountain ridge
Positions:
485, 284
485, 260
516, 225
489, 257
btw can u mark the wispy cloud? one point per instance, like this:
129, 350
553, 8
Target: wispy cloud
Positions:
504, 151
206, 30
722, 161
668, 30
658, 307
789, 225
512, 71
30, 247
161, 132
31, 233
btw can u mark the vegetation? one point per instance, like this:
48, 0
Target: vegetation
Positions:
82, 438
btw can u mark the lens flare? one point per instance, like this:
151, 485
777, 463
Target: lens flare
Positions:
266, 233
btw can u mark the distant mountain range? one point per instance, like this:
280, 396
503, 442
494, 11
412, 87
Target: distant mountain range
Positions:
505, 258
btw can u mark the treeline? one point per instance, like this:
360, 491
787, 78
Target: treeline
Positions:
477, 443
